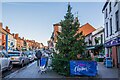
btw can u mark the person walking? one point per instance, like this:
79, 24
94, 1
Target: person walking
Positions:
38, 55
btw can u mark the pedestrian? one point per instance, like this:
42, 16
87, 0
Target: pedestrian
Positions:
78, 56
38, 55
4, 50
92, 55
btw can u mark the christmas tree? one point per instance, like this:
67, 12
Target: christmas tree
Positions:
70, 43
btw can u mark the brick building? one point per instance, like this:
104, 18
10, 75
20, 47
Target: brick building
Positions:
19, 42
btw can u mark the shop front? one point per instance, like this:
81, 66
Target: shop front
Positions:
113, 50
98, 51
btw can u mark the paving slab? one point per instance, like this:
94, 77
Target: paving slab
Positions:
31, 71
105, 72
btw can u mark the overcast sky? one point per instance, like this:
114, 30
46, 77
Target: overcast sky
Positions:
34, 20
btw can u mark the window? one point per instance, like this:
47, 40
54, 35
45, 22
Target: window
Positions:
107, 29
59, 28
110, 7
101, 38
109, 52
117, 20
110, 26
116, 1
106, 14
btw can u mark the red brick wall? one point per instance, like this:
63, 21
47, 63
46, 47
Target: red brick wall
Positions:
0, 26
4, 40
114, 55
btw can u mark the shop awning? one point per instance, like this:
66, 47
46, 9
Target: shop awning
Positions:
90, 48
94, 47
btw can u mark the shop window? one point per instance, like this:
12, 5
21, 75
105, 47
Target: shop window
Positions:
110, 54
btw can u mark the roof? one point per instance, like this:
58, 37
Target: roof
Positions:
107, 1
97, 31
86, 29
57, 24
7, 31
4, 31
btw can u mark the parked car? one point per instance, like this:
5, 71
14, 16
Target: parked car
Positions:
19, 58
5, 63
30, 55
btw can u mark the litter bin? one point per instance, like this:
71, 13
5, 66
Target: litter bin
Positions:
109, 63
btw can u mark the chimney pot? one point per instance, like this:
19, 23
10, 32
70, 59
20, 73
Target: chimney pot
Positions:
6, 27
9, 30
1, 24
16, 35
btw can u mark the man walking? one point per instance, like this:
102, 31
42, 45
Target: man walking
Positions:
38, 55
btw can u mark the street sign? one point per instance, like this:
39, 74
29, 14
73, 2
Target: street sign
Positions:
83, 68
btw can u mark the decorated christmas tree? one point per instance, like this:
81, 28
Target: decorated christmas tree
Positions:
70, 43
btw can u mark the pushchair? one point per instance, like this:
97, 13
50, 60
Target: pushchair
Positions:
43, 64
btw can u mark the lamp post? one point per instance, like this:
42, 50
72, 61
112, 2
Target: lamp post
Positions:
7, 42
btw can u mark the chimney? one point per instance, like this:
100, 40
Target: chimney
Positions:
23, 38
16, 36
1, 25
7, 29
13, 35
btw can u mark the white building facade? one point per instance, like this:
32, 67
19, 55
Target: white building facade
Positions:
98, 41
99, 34
88, 39
111, 12
11, 42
